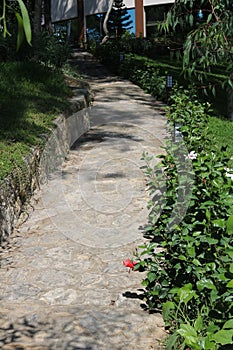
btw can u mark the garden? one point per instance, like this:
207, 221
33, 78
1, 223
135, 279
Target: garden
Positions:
191, 279
189, 251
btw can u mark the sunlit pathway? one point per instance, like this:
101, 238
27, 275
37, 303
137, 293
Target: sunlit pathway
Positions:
63, 284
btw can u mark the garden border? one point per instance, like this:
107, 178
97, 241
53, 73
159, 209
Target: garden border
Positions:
19, 187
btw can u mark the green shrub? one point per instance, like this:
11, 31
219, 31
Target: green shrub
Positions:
50, 50
191, 277
45, 49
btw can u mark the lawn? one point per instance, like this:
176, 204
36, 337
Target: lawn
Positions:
31, 97
222, 130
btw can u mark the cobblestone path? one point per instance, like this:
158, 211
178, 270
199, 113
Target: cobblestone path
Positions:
63, 284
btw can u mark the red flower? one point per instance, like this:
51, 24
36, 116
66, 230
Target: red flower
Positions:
129, 263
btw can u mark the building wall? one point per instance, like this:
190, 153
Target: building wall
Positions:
63, 9
157, 2
67, 9
100, 6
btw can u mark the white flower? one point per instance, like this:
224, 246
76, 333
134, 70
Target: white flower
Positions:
229, 175
192, 155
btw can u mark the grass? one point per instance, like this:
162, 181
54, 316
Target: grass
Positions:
31, 97
222, 131
171, 66
220, 127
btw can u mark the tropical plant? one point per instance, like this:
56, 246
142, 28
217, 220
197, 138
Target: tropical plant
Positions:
21, 13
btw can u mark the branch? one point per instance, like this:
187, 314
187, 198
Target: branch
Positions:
105, 26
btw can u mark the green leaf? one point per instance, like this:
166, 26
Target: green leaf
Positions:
208, 344
171, 341
196, 262
209, 18
20, 31
229, 252
230, 225
212, 328
230, 284
191, 20
208, 215
190, 335
223, 337
185, 293
205, 283
219, 223
167, 307
187, 330
26, 21
182, 257
228, 325
152, 276
209, 240
198, 323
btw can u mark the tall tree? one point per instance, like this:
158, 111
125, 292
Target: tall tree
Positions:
37, 17
47, 15
119, 20
209, 40
81, 34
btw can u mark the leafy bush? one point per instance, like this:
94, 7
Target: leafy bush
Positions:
191, 277
47, 49
50, 50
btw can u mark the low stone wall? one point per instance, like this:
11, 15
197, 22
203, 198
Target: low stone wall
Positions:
18, 188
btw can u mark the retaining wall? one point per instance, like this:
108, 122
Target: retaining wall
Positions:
17, 189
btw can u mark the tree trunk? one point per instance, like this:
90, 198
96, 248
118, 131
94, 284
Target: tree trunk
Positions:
47, 15
230, 100
81, 22
37, 17
139, 15
105, 25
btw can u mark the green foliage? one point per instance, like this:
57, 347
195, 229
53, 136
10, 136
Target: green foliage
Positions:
48, 50
24, 26
222, 130
209, 41
134, 66
191, 221
119, 19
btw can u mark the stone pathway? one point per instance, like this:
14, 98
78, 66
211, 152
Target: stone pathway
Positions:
63, 284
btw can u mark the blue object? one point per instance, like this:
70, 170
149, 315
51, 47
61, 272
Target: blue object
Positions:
169, 81
200, 15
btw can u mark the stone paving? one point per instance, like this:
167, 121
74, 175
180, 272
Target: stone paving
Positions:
63, 284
